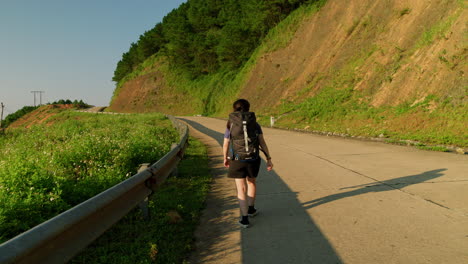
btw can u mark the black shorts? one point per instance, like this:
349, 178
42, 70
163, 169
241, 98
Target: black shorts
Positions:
242, 169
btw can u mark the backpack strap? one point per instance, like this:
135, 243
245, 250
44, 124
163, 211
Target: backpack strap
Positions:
231, 143
246, 135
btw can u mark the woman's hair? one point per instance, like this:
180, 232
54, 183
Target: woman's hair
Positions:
240, 105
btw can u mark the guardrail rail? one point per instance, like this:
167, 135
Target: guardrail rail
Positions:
62, 237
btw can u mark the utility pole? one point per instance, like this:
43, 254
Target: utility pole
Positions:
1, 116
40, 96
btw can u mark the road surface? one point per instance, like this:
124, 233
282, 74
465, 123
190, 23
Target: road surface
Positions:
335, 200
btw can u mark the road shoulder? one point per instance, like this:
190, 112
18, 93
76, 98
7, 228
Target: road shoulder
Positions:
217, 237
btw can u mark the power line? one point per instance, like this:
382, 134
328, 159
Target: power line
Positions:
8, 110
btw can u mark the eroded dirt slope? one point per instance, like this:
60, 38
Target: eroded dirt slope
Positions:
150, 93
394, 50
40, 115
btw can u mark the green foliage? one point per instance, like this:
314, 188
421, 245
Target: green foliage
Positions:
17, 115
165, 238
329, 102
438, 30
281, 35
433, 148
343, 111
75, 103
405, 11
208, 36
407, 107
48, 169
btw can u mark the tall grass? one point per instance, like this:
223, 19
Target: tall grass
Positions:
175, 210
48, 169
344, 111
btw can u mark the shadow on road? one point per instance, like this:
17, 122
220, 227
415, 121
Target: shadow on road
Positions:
383, 186
283, 232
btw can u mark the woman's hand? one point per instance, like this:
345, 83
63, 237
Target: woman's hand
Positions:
225, 152
269, 165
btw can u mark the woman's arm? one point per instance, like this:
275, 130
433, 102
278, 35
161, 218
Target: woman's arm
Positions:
264, 146
225, 151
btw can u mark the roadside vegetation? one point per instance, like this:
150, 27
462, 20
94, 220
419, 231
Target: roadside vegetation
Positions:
175, 210
45, 170
345, 112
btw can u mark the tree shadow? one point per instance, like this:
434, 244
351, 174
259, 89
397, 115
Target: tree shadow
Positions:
283, 232
381, 186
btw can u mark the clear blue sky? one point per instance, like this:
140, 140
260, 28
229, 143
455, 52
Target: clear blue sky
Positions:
68, 48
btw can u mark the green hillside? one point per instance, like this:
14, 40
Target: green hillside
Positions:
204, 37
371, 69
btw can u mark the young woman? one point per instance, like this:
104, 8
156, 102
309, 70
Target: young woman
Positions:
245, 172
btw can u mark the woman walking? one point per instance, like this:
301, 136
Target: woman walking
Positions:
243, 141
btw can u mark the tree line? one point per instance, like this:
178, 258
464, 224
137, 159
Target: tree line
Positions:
75, 103
206, 36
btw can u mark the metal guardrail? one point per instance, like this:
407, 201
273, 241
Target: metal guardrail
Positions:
62, 237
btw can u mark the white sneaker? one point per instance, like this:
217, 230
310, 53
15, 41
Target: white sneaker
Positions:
244, 224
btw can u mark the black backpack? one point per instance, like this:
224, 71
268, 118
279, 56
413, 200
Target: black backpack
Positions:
244, 136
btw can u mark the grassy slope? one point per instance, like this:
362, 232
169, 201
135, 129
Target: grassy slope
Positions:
175, 210
70, 145
337, 107
47, 169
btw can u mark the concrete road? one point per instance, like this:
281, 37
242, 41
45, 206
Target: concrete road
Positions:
334, 200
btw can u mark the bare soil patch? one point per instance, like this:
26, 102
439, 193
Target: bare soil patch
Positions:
151, 93
373, 46
40, 115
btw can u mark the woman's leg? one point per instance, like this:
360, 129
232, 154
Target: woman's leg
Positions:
251, 190
241, 195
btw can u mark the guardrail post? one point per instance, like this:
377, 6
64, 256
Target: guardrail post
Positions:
272, 121
144, 204
175, 171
